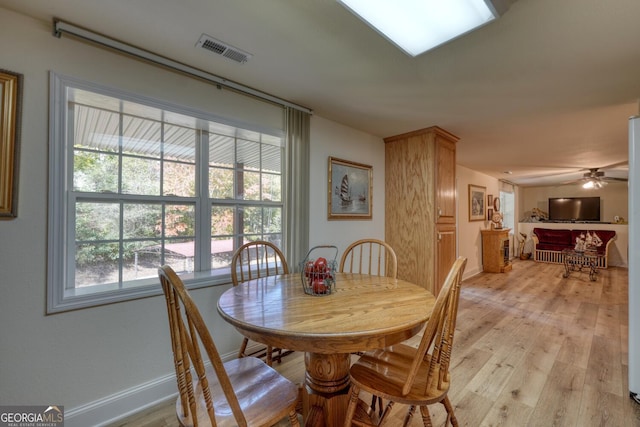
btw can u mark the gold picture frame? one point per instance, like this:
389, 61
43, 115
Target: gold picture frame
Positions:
350, 190
477, 198
10, 104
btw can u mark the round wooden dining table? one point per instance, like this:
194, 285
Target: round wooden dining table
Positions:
362, 313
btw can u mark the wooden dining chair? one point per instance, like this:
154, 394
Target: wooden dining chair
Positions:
374, 257
251, 261
410, 376
369, 256
240, 392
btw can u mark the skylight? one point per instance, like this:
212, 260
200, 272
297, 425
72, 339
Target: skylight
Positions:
416, 26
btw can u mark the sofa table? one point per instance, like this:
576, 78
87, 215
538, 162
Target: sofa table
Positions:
576, 260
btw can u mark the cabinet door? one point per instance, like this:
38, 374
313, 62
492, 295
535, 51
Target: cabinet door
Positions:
445, 254
445, 175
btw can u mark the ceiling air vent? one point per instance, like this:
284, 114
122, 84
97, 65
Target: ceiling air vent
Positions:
224, 49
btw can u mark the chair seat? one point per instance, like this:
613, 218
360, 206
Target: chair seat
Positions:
259, 389
384, 372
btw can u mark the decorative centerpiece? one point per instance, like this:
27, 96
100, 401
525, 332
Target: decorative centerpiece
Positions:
318, 274
587, 242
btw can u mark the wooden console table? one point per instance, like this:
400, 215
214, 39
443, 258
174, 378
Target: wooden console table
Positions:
495, 250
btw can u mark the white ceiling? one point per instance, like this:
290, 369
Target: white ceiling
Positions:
544, 92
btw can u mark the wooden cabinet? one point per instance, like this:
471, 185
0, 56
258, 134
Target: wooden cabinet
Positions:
495, 250
420, 205
445, 253
445, 180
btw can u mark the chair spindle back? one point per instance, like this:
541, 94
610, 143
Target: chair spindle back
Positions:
370, 256
257, 259
439, 331
188, 332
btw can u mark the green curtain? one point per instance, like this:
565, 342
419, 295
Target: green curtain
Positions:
296, 221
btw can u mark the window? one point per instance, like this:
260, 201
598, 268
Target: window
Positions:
507, 205
135, 184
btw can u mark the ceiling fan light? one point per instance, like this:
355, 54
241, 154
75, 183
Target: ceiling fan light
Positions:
593, 184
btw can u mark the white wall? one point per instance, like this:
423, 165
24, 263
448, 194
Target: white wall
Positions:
102, 362
335, 140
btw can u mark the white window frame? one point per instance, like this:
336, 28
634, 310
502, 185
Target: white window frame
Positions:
60, 297
507, 203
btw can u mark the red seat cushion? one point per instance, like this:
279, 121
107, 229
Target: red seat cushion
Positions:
553, 237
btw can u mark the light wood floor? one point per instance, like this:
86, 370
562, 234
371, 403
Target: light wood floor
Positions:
531, 349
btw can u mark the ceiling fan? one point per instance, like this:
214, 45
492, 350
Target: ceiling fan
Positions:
596, 178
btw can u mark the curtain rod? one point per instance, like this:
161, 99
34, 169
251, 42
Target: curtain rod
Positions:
508, 182
60, 27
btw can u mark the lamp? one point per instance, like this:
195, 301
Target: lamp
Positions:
416, 26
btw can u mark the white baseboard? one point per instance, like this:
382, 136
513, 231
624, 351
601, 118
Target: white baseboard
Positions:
123, 404
111, 409
470, 273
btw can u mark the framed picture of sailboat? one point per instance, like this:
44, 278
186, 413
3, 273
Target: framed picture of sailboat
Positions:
350, 190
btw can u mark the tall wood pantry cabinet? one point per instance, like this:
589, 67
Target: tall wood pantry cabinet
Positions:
420, 204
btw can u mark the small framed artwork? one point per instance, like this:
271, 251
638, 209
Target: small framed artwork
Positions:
496, 204
10, 105
477, 197
489, 200
350, 190
489, 214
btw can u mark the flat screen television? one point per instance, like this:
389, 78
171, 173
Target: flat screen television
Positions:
574, 209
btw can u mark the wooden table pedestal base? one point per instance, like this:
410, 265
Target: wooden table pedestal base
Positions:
326, 391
